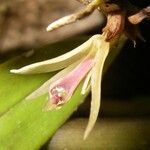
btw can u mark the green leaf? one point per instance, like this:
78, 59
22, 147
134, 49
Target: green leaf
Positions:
23, 124
13, 88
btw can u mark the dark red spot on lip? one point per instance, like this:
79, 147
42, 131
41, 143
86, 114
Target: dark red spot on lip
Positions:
55, 97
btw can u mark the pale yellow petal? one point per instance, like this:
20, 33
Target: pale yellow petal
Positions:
86, 84
57, 63
103, 50
45, 87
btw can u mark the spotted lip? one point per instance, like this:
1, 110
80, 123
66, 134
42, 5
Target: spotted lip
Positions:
61, 90
57, 95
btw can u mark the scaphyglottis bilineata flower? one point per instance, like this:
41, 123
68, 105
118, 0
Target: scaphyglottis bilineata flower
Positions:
86, 61
83, 63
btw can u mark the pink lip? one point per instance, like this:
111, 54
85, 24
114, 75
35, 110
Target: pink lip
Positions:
69, 82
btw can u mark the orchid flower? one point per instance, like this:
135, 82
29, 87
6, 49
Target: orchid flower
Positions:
86, 61
82, 63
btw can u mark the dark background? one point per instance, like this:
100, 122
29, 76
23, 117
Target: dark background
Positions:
129, 76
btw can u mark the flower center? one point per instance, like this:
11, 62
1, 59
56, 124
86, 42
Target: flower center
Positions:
58, 95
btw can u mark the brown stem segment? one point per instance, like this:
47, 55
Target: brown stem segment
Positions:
115, 24
139, 16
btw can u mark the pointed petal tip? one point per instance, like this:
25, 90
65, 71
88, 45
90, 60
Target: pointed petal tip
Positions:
49, 28
85, 135
14, 71
49, 106
30, 97
88, 130
18, 71
83, 92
